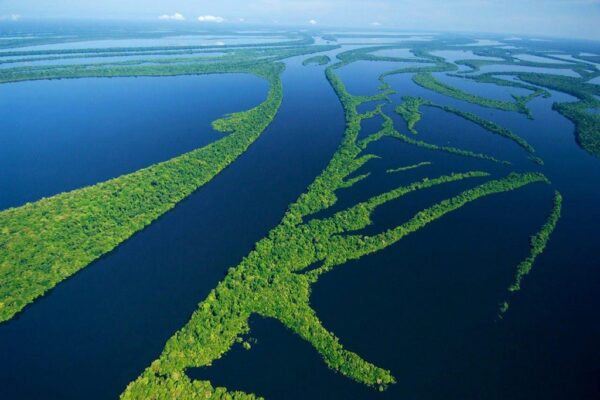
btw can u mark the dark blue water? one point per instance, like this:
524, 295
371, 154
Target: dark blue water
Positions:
487, 90
97, 331
65, 134
446, 129
425, 308
361, 77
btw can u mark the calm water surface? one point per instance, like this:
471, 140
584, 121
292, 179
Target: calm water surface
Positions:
65, 134
425, 308
103, 326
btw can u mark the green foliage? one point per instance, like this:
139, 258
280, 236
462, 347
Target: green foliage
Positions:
317, 60
538, 244
493, 79
297, 41
507, 57
389, 130
409, 109
587, 125
484, 123
49, 240
274, 280
440, 65
408, 167
536, 160
248, 60
182, 53
426, 80
46, 241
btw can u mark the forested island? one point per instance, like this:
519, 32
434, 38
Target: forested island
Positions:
392, 147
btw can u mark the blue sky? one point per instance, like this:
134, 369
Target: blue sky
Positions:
558, 18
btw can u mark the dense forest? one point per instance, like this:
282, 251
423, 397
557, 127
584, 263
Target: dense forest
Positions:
49, 240
317, 60
275, 279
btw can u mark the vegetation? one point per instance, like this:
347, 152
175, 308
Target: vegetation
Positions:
427, 81
410, 111
299, 41
439, 64
508, 58
317, 60
390, 131
66, 35
274, 280
408, 167
49, 240
587, 125
44, 242
212, 53
493, 79
365, 54
538, 244
488, 125
242, 62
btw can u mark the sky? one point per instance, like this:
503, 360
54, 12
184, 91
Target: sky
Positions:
555, 18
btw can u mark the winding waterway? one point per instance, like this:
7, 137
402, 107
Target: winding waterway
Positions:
61, 135
425, 308
96, 332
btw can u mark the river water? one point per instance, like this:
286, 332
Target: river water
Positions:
425, 308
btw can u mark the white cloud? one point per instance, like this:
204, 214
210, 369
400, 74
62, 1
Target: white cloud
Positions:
10, 17
173, 17
211, 18
312, 22
242, 20
376, 23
